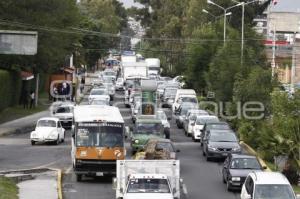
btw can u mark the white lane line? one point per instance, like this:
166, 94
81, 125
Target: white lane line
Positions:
69, 170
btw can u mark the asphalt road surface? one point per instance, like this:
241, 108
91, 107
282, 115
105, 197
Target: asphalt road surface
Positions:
203, 179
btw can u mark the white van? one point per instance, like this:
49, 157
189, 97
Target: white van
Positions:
189, 93
259, 184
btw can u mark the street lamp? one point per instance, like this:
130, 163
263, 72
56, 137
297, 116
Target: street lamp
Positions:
205, 11
243, 24
225, 14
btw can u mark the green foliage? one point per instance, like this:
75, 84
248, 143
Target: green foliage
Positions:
10, 92
8, 189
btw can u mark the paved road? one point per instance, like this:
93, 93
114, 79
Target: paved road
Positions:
203, 179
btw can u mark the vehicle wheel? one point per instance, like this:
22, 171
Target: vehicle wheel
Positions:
32, 142
78, 177
228, 186
57, 141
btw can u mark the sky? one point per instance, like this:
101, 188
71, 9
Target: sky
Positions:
287, 6
130, 3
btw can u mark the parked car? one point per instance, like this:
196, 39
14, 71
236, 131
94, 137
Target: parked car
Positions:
237, 167
182, 111
64, 113
98, 93
120, 84
190, 119
219, 143
213, 126
158, 149
49, 130
199, 124
268, 185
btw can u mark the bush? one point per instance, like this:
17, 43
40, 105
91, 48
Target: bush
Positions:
10, 88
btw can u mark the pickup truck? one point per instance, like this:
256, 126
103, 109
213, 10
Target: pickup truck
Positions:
145, 179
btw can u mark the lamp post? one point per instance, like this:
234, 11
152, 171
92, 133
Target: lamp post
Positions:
243, 25
225, 14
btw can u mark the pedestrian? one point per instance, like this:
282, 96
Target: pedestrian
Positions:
25, 99
82, 83
32, 99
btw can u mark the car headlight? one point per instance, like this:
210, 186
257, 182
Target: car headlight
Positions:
212, 148
236, 149
235, 178
33, 134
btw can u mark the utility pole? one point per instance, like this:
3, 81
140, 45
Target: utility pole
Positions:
273, 51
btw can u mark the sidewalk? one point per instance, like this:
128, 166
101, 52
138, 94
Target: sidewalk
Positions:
22, 125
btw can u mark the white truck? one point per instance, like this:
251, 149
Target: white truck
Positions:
128, 58
138, 69
153, 65
145, 179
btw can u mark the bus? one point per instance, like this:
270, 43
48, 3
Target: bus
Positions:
97, 140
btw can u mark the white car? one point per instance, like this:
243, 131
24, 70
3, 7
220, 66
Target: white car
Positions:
191, 117
120, 84
65, 114
98, 93
163, 117
198, 125
259, 184
48, 129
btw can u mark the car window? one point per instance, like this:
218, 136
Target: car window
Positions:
46, 123
249, 185
164, 146
245, 163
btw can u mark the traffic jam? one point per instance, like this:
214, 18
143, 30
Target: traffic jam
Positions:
138, 150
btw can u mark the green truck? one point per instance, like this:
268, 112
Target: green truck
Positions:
146, 126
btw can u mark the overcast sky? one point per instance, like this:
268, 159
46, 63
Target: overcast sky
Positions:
287, 6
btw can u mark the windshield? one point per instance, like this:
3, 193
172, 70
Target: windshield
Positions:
46, 123
99, 135
270, 191
223, 137
148, 186
100, 102
207, 120
148, 128
99, 92
189, 99
167, 146
245, 163
170, 92
63, 110
218, 127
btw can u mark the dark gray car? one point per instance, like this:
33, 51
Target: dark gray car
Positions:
237, 167
213, 126
219, 143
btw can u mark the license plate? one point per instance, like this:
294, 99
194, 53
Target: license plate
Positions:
99, 173
65, 121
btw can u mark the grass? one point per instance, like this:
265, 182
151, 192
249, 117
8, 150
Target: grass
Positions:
296, 189
8, 189
17, 112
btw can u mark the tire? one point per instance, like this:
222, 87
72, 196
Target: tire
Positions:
208, 158
78, 177
228, 186
32, 142
56, 142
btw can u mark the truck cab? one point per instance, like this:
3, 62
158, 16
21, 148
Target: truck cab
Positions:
146, 126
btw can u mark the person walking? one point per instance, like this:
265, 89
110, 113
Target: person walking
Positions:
25, 100
32, 99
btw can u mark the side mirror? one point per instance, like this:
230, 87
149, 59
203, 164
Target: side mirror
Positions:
178, 150
264, 167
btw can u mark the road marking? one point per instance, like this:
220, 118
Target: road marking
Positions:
69, 170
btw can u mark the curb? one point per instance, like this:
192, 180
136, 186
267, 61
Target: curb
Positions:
251, 151
19, 130
41, 170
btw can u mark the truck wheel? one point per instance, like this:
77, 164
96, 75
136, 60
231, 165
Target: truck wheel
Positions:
78, 177
32, 142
